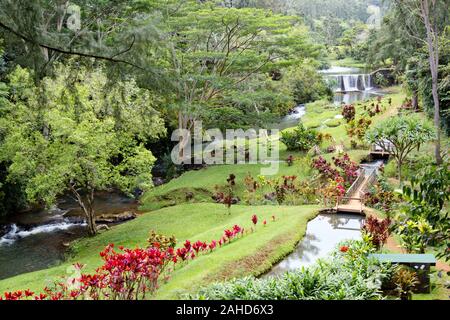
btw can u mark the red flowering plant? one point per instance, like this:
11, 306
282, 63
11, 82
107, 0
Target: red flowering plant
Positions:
377, 230
254, 219
130, 274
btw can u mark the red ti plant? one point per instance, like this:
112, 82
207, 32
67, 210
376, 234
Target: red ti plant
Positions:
290, 160
254, 219
325, 168
349, 168
182, 253
212, 245
378, 230
126, 275
264, 222
348, 112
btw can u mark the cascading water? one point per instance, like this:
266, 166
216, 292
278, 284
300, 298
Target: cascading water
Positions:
16, 233
349, 84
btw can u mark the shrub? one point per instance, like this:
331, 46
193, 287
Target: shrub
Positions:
381, 197
299, 139
347, 274
313, 125
405, 280
349, 112
333, 123
358, 128
378, 230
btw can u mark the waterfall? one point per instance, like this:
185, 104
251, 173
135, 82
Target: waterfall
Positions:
352, 82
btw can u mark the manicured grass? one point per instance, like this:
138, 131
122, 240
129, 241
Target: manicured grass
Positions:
203, 181
252, 254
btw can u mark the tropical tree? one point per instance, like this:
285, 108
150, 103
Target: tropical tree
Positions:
424, 21
78, 134
119, 33
217, 53
401, 135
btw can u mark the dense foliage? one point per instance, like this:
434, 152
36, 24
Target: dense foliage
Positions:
349, 275
300, 139
76, 133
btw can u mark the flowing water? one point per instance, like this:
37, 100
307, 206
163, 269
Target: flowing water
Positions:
322, 236
350, 84
36, 240
291, 120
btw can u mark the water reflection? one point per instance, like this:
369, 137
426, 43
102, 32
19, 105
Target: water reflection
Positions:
352, 97
322, 235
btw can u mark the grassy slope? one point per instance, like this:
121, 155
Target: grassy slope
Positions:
252, 254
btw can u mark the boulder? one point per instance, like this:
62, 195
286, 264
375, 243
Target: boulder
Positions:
115, 218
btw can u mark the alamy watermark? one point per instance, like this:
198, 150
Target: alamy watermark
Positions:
236, 146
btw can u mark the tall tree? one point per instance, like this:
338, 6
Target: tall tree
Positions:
42, 32
430, 16
93, 137
216, 51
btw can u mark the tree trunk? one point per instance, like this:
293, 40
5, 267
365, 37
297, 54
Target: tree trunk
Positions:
87, 208
433, 59
415, 101
91, 213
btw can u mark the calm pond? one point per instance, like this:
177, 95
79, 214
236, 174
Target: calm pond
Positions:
323, 234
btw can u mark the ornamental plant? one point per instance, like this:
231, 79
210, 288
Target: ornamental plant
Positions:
344, 168
348, 112
128, 274
377, 230
254, 219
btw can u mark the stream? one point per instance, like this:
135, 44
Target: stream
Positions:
323, 234
38, 239
349, 85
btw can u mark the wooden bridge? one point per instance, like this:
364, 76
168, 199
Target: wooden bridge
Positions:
353, 200
383, 148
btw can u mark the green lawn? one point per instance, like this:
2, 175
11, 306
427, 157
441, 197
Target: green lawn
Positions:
252, 254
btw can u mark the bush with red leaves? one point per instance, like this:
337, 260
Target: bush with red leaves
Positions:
378, 230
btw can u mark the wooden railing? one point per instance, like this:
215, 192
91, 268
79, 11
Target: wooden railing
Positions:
367, 175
